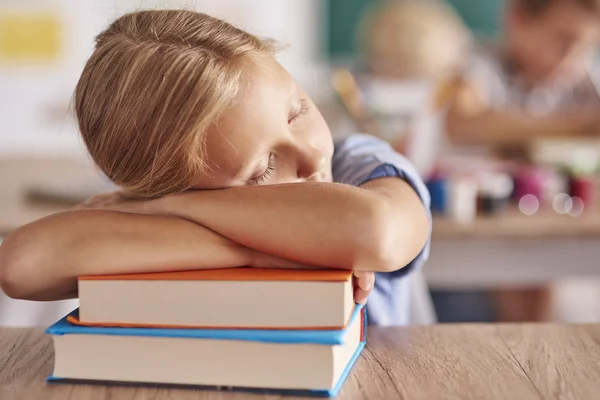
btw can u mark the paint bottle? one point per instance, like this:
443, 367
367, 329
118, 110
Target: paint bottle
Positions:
584, 187
529, 181
495, 190
462, 199
438, 190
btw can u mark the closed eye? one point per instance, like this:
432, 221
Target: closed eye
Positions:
267, 173
302, 111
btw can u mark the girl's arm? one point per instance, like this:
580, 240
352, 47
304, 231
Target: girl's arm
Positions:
381, 226
41, 261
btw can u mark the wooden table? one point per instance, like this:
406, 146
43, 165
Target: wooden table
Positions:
529, 361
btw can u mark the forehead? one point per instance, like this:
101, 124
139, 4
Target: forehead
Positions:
240, 133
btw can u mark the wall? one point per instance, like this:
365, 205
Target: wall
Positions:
35, 88
35, 93
482, 17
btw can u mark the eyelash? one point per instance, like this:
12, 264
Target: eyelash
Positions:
268, 172
271, 166
303, 110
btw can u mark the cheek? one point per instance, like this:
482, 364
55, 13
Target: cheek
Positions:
212, 181
551, 59
536, 45
539, 54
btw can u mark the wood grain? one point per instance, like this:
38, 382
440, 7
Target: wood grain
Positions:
563, 362
460, 361
444, 361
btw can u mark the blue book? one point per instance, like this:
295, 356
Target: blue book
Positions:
299, 362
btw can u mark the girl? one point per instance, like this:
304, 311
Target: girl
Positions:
223, 161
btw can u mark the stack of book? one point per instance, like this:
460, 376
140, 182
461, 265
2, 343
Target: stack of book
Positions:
295, 331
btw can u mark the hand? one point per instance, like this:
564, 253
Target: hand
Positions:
115, 201
363, 284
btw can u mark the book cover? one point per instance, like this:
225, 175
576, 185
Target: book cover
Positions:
325, 337
233, 274
328, 337
106, 300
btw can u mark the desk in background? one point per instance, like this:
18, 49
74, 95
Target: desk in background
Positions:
513, 249
18, 176
529, 361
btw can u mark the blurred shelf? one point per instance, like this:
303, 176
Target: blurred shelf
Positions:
513, 225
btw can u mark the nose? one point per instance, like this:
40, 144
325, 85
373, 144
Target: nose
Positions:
310, 161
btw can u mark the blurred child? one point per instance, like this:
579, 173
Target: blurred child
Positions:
538, 83
223, 161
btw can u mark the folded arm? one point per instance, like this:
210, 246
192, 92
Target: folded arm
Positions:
471, 120
42, 260
381, 226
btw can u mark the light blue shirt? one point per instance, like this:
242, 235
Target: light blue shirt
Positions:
358, 159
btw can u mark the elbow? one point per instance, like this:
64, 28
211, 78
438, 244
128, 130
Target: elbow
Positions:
394, 238
15, 265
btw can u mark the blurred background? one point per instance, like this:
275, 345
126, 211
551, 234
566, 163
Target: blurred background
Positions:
512, 240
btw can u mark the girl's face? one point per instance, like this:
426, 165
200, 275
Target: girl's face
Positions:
273, 134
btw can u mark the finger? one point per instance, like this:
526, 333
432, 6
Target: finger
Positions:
360, 295
363, 284
365, 280
360, 274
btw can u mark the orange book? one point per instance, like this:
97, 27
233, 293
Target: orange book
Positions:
238, 298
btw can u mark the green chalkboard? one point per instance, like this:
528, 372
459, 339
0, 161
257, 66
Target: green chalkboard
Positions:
481, 16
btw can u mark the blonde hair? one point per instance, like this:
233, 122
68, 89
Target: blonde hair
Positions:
152, 87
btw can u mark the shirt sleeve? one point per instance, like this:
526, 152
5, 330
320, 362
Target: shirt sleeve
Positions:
361, 158
587, 92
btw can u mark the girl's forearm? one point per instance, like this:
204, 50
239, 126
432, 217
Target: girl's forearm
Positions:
325, 224
42, 260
